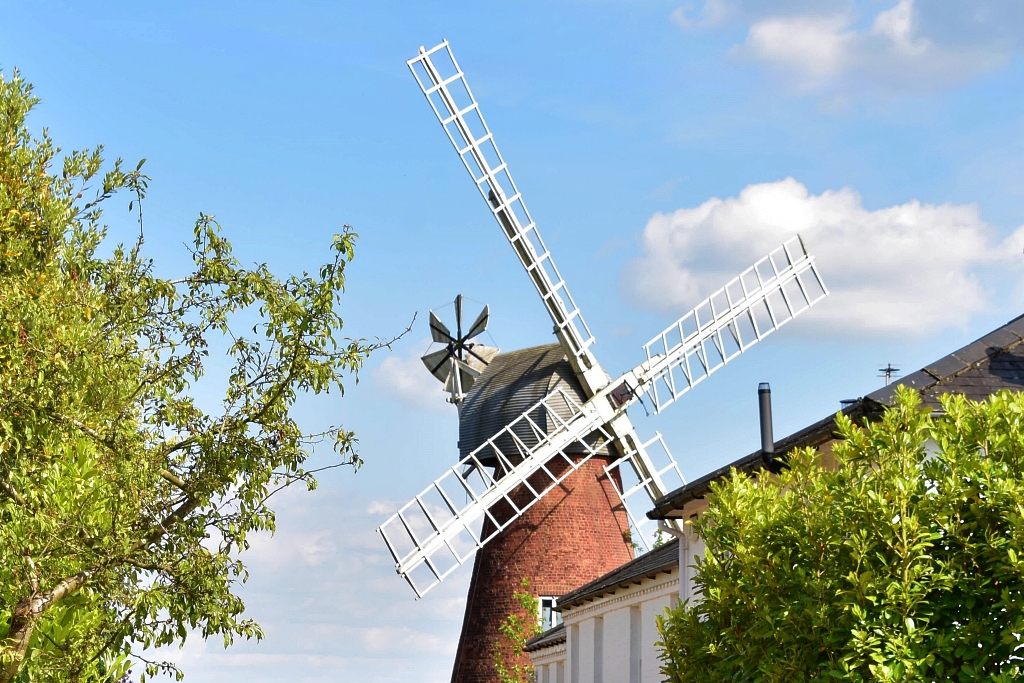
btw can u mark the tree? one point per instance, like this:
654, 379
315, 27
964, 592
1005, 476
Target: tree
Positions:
517, 630
124, 502
904, 564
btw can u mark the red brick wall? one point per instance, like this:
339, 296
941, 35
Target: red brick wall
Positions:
571, 536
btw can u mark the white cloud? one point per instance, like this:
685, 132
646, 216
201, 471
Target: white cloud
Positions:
906, 269
325, 589
897, 24
311, 548
834, 45
382, 507
402, 375
816, 47
388, 638
711, 13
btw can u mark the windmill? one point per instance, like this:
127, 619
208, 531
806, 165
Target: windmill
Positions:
461, 361
537, 454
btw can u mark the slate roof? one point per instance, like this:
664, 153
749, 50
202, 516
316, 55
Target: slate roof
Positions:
553, 636
983, 367
511, 384
658, 561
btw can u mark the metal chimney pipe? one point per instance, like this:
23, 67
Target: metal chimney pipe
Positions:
764, 403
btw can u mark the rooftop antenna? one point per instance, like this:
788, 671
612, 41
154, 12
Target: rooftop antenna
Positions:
431, 540
888, 372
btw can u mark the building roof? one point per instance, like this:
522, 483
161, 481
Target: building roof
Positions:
553, 636
813, 435
661, 560
983, 367
511, 384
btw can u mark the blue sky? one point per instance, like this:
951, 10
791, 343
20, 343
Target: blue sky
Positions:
661, 147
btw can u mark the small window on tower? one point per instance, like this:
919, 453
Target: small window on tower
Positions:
549, 618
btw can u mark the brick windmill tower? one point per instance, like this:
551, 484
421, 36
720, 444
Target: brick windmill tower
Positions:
549, 458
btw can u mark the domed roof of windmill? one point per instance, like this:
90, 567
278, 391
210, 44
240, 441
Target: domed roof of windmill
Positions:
511, 384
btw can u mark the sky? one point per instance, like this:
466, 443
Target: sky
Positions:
661, 148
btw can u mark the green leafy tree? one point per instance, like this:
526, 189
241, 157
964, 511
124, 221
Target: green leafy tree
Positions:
518, 628
124, 503
904, 564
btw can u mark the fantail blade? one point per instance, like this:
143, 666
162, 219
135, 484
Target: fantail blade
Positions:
480, 324
438, 331
458, 315
435, 362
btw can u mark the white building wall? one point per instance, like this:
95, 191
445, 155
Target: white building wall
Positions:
573, 663
585, 662
626, 623
650, 664
549, 664
614, 636
690, 547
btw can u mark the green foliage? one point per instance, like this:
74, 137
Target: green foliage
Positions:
899, 566
124, 504
517, 629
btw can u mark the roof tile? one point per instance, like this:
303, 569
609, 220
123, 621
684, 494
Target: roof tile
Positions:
553, 636
916, 380
975, 351
946, 367
1016, 326
1001, 339
662, 559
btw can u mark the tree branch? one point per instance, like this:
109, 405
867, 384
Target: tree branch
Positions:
12, 494
179, 513
83, 427
24, 618
172, 478
380, 344
293, 478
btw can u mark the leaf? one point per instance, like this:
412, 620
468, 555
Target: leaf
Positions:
99, 365
889, 567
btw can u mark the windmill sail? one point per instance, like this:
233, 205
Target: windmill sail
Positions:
773, 291
445, 87
461, 511
442, 527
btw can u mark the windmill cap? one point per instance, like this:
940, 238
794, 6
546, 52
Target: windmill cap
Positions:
511, 385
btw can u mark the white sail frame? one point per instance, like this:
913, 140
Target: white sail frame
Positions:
434, 534
764, 297
443, 534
